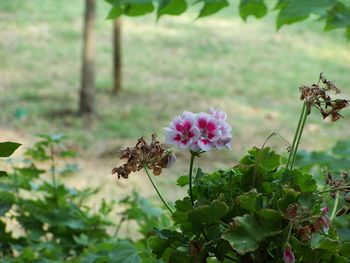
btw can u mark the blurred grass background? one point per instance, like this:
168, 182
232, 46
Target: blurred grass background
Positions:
178, 63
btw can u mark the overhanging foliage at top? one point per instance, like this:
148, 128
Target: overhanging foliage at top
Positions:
334, 13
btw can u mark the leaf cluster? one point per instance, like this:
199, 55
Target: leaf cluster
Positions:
242, 215
334, 13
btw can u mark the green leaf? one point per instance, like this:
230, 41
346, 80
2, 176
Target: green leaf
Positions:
292, 11
304, 182
164, 239
180, 216
130, 8
269, 214
4, 207
251, 201
342, 148
211, 7
182, 180
171, 7
345, 249
338, 17
125, 252
3, 173
137, 7
340, 259
324, 243
117, 252
8, 148
266, 158
115, 12
208, 214
245, 234
255, 8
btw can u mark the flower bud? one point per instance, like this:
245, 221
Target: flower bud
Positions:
288, 255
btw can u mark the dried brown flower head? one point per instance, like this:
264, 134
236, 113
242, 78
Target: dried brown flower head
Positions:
292, 211
154, 156
318, 97
335, 182
304, 233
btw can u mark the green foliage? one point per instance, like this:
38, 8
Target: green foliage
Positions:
6, 150
336, 159
56, 224
112, 251
245, 236
171, 7
211, 7
47, 210
234, 219
291, 11
255, 8
335, 13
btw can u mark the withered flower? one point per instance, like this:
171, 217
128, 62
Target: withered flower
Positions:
154, 156
304, 233
336, 182
292, 211
318, 97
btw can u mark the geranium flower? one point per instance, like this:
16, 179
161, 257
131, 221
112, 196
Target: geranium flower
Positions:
225, 138
182, 131
210, 131
200, 132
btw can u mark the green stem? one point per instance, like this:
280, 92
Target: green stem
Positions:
119, 226
296, 134
230, 185
157, 190
335, 207
334, 189
289, 232
53, 169
299, 137
193, 155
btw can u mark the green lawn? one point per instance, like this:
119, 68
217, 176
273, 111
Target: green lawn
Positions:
247, 69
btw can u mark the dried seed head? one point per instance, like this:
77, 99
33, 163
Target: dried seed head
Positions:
154, 155
341, 181
305, 233
318, 97
292, 211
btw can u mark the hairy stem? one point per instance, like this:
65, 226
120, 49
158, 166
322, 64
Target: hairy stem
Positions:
335, 207
53, 168
289, 231
193, 155
119, 226
334, 189
297, 135
157, 190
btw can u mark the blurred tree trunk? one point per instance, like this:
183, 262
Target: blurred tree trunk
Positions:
117, 57
87, 88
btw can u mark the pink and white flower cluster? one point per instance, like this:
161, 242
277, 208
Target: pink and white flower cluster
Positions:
200, 132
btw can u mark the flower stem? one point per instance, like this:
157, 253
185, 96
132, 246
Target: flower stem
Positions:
193, 155
335, 206
297, 136
53, 168
157, 190
334, 189
289, 231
